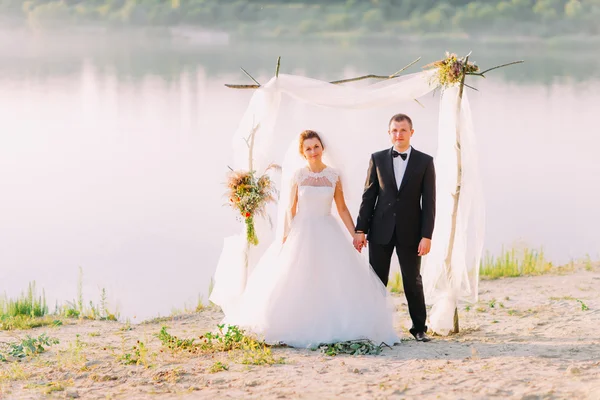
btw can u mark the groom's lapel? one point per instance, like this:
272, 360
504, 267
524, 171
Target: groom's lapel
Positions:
390, 168
410, 168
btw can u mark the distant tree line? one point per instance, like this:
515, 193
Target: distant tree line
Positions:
285, 18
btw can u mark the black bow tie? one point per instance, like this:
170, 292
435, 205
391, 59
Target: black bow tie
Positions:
396, 154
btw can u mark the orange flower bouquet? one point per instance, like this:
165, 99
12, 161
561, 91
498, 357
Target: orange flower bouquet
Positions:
249, 194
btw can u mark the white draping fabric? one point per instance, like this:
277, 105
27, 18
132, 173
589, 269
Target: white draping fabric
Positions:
445, 288
271, 145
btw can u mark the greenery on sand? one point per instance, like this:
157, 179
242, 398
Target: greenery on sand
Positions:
351, 347
510, 263
528, 262
28, 304
243, 348
29, 310
27, 347
395, 284
137, 356
218, 366
514, 263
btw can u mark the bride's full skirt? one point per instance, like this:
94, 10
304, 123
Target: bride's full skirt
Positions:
315, 289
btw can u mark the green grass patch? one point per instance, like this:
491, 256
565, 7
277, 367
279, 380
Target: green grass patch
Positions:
22, 322
352, 347
28, 304
562, 298
242, 348
28, 347
395, 284
30, 310
218, 367
514, 263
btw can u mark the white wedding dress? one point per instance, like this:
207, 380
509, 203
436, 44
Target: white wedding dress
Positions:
316, 288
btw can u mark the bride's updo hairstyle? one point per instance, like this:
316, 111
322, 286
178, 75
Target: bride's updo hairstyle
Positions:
308, 134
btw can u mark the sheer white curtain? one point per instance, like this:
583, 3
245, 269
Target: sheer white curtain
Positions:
273, 146
443, 288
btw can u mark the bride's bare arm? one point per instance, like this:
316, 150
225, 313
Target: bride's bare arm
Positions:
291, 211
342, 209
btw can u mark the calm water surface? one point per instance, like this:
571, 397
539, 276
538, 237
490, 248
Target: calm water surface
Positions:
113, 155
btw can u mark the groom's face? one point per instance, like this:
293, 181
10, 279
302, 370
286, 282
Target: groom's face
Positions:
400, 133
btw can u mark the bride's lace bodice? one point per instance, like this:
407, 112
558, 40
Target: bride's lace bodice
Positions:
315, 191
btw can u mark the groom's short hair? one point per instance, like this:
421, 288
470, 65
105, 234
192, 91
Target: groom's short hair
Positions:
399, 118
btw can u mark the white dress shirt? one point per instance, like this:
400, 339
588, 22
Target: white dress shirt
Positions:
400, 167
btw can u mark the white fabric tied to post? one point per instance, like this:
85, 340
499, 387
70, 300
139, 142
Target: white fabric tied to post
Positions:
444, 289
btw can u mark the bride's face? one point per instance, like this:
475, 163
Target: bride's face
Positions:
312, 149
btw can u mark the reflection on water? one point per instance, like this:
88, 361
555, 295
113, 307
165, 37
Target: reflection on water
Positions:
114, 160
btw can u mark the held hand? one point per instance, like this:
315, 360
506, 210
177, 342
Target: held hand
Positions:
359, 241
424, 247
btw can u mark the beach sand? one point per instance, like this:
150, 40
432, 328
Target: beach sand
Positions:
527, 338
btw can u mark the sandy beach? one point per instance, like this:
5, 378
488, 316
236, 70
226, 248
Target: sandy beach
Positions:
527, 338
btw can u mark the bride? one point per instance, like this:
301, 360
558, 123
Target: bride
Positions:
314, 287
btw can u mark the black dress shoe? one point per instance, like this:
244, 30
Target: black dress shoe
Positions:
422, 337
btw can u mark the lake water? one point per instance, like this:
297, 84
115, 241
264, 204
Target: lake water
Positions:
113, 154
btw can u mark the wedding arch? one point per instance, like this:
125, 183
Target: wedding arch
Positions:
451, 270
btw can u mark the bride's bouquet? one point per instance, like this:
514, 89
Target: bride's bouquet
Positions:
450, 70
249, 195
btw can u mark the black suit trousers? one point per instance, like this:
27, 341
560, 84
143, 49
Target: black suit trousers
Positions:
380, 257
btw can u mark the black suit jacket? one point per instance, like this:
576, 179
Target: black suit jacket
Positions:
410, 210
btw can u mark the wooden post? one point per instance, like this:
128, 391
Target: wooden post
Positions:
456, 195
277, 67
250, 144
370, 76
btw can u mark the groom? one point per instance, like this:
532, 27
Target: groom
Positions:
398, 212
